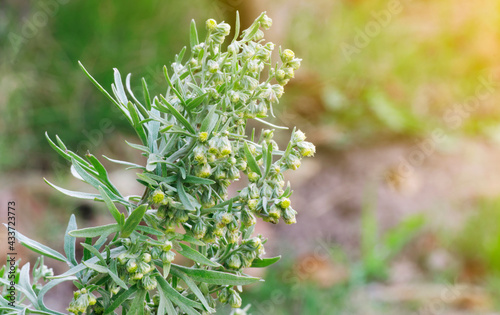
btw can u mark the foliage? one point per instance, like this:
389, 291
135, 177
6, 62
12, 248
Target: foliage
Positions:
194, 139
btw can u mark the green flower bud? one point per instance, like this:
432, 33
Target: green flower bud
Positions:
233, 173
289, 73
289, 216
219, 231
122, 259
298, 136
167, 257
280, 75
287, 55
137, 276
275, 212
226, 218
253, 177
247, 218
223, 295
209, 236
203, 171
285, 203
306, 148
266, 22
293, 162
193, 62
233, 236
203, 136
149, 283
158, 196
224, 29
146, 257
295, 63
233, 48
181, 216
144, 268
131, 266
241, 164
211, 25
199, 229
211, 158
213, 66
167, 246
92, 300
219, 173
234, 261
114, 289
252, 204
234, 300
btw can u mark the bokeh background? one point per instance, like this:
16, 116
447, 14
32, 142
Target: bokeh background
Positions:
399, 212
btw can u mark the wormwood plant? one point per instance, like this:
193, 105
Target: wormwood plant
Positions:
194, 139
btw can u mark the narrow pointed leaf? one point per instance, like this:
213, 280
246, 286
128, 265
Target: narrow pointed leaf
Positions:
196, 256
96, 231
251, 160
181, 119
264, 262
69, 241
133, 220
39, 248
215, 277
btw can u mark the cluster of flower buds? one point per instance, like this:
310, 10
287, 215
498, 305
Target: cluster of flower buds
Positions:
81, 300
229, 296
244, 255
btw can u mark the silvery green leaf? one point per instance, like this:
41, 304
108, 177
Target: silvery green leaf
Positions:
69, 241
39, 248
133, 220
264, 262
215, 277
96, 231
196, 256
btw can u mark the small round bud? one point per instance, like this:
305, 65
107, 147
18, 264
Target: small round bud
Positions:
122, 259
167, 246
226, 218
295, 63
289, 216
266, 22
223, 295
253, 177
298, 136
234, 300
224, 29
158, 196
287, 55
289, 73
131, 266
234, 261
91, 299
233, 48
293, 162
285, 203
146, 257
137, 276
280, 75
167, 257
203, 136
306, 148
149, 283
211, 25
213, 66
247, 218
275, 212
252, 204
193, 62
199, 230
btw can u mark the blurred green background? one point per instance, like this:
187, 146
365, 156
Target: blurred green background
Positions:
389, 215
